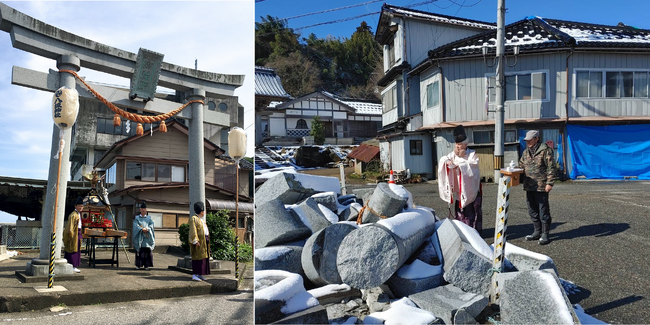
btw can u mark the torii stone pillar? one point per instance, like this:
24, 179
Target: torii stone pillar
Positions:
196, 150
40, 266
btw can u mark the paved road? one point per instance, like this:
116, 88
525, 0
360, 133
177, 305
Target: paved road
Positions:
600, 240
228, 308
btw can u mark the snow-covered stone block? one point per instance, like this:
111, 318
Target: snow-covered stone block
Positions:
314, 215
534, 297
402, 311
313, 315
445, 301
525, 260
274, 225
327, 199
383, 203
351, 212
334, 293
369, 256
292, 188
279, 294
415, 277
319, 254
285, 258
464, 266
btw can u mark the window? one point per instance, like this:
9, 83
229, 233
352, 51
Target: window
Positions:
121, 219
178, 173
301, 124
154, 172
482, 137
223, 107
390, 49
416, 147
164, 173
110, 175
616, 84
520, 86
157, 219
242, 223
149, 172
433, 94
389, 99
105, 125
98, 155
133, 170
212, 106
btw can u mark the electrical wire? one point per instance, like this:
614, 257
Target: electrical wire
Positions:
359, 16
333, 9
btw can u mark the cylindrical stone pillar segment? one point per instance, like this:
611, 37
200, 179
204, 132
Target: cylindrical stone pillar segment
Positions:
196, 171
369, 256
64, 62
383, 203
319, 254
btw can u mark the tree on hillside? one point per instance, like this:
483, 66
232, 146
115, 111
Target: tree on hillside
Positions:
317, 130
298, 74
274, 38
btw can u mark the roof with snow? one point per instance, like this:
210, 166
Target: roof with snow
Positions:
535, 33
267, 83
384, 30
357, 106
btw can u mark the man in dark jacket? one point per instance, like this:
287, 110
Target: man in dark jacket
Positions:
539, 176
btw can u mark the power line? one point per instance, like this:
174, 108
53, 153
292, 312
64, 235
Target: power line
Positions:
359, 16
333, 9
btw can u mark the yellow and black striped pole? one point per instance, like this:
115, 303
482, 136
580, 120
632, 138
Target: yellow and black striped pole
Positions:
237, 258
500, 228
50, 276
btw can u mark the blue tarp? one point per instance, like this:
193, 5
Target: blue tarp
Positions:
610, 152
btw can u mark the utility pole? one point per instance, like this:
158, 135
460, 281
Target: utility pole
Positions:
500, 87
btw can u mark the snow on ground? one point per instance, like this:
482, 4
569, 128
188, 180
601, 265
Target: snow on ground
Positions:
269, 173
300, 213
401, 312
265, 288
329, 215
271, 253
328, 289
555, 293
584, 318
419, 270
319, 183
405, 224
300, 301
513, 249
475, 239
12, 253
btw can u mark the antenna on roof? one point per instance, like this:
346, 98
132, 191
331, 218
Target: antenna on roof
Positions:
196, 64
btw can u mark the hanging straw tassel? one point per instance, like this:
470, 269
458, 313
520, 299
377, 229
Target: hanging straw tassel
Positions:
163, 127
139, 130
117, 120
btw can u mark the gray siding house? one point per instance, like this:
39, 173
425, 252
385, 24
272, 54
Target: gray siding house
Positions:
566, 73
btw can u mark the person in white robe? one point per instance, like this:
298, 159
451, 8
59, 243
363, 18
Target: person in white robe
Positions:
459, 182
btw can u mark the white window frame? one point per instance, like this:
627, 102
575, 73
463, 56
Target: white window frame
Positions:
574, 91
546, 72
431, 79
387, 89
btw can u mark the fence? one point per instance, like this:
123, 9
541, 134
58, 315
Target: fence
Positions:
20, 237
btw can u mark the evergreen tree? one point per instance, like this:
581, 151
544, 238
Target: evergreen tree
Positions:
317, 130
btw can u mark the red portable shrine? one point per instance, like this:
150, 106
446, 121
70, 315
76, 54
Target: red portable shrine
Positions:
95, 213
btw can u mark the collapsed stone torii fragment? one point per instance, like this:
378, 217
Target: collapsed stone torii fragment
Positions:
72, 52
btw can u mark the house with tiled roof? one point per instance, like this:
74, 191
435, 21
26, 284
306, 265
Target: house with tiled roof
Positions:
584, 86
346, 120
268, 94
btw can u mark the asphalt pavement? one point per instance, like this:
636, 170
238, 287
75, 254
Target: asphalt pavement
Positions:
600, 240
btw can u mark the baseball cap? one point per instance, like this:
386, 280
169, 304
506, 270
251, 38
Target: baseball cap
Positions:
531, 134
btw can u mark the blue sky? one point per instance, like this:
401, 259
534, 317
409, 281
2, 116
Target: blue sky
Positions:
631, 12
219, 34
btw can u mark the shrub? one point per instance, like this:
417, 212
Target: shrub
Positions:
222, 238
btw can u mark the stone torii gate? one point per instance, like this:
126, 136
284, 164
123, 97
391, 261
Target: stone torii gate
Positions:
72, 52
